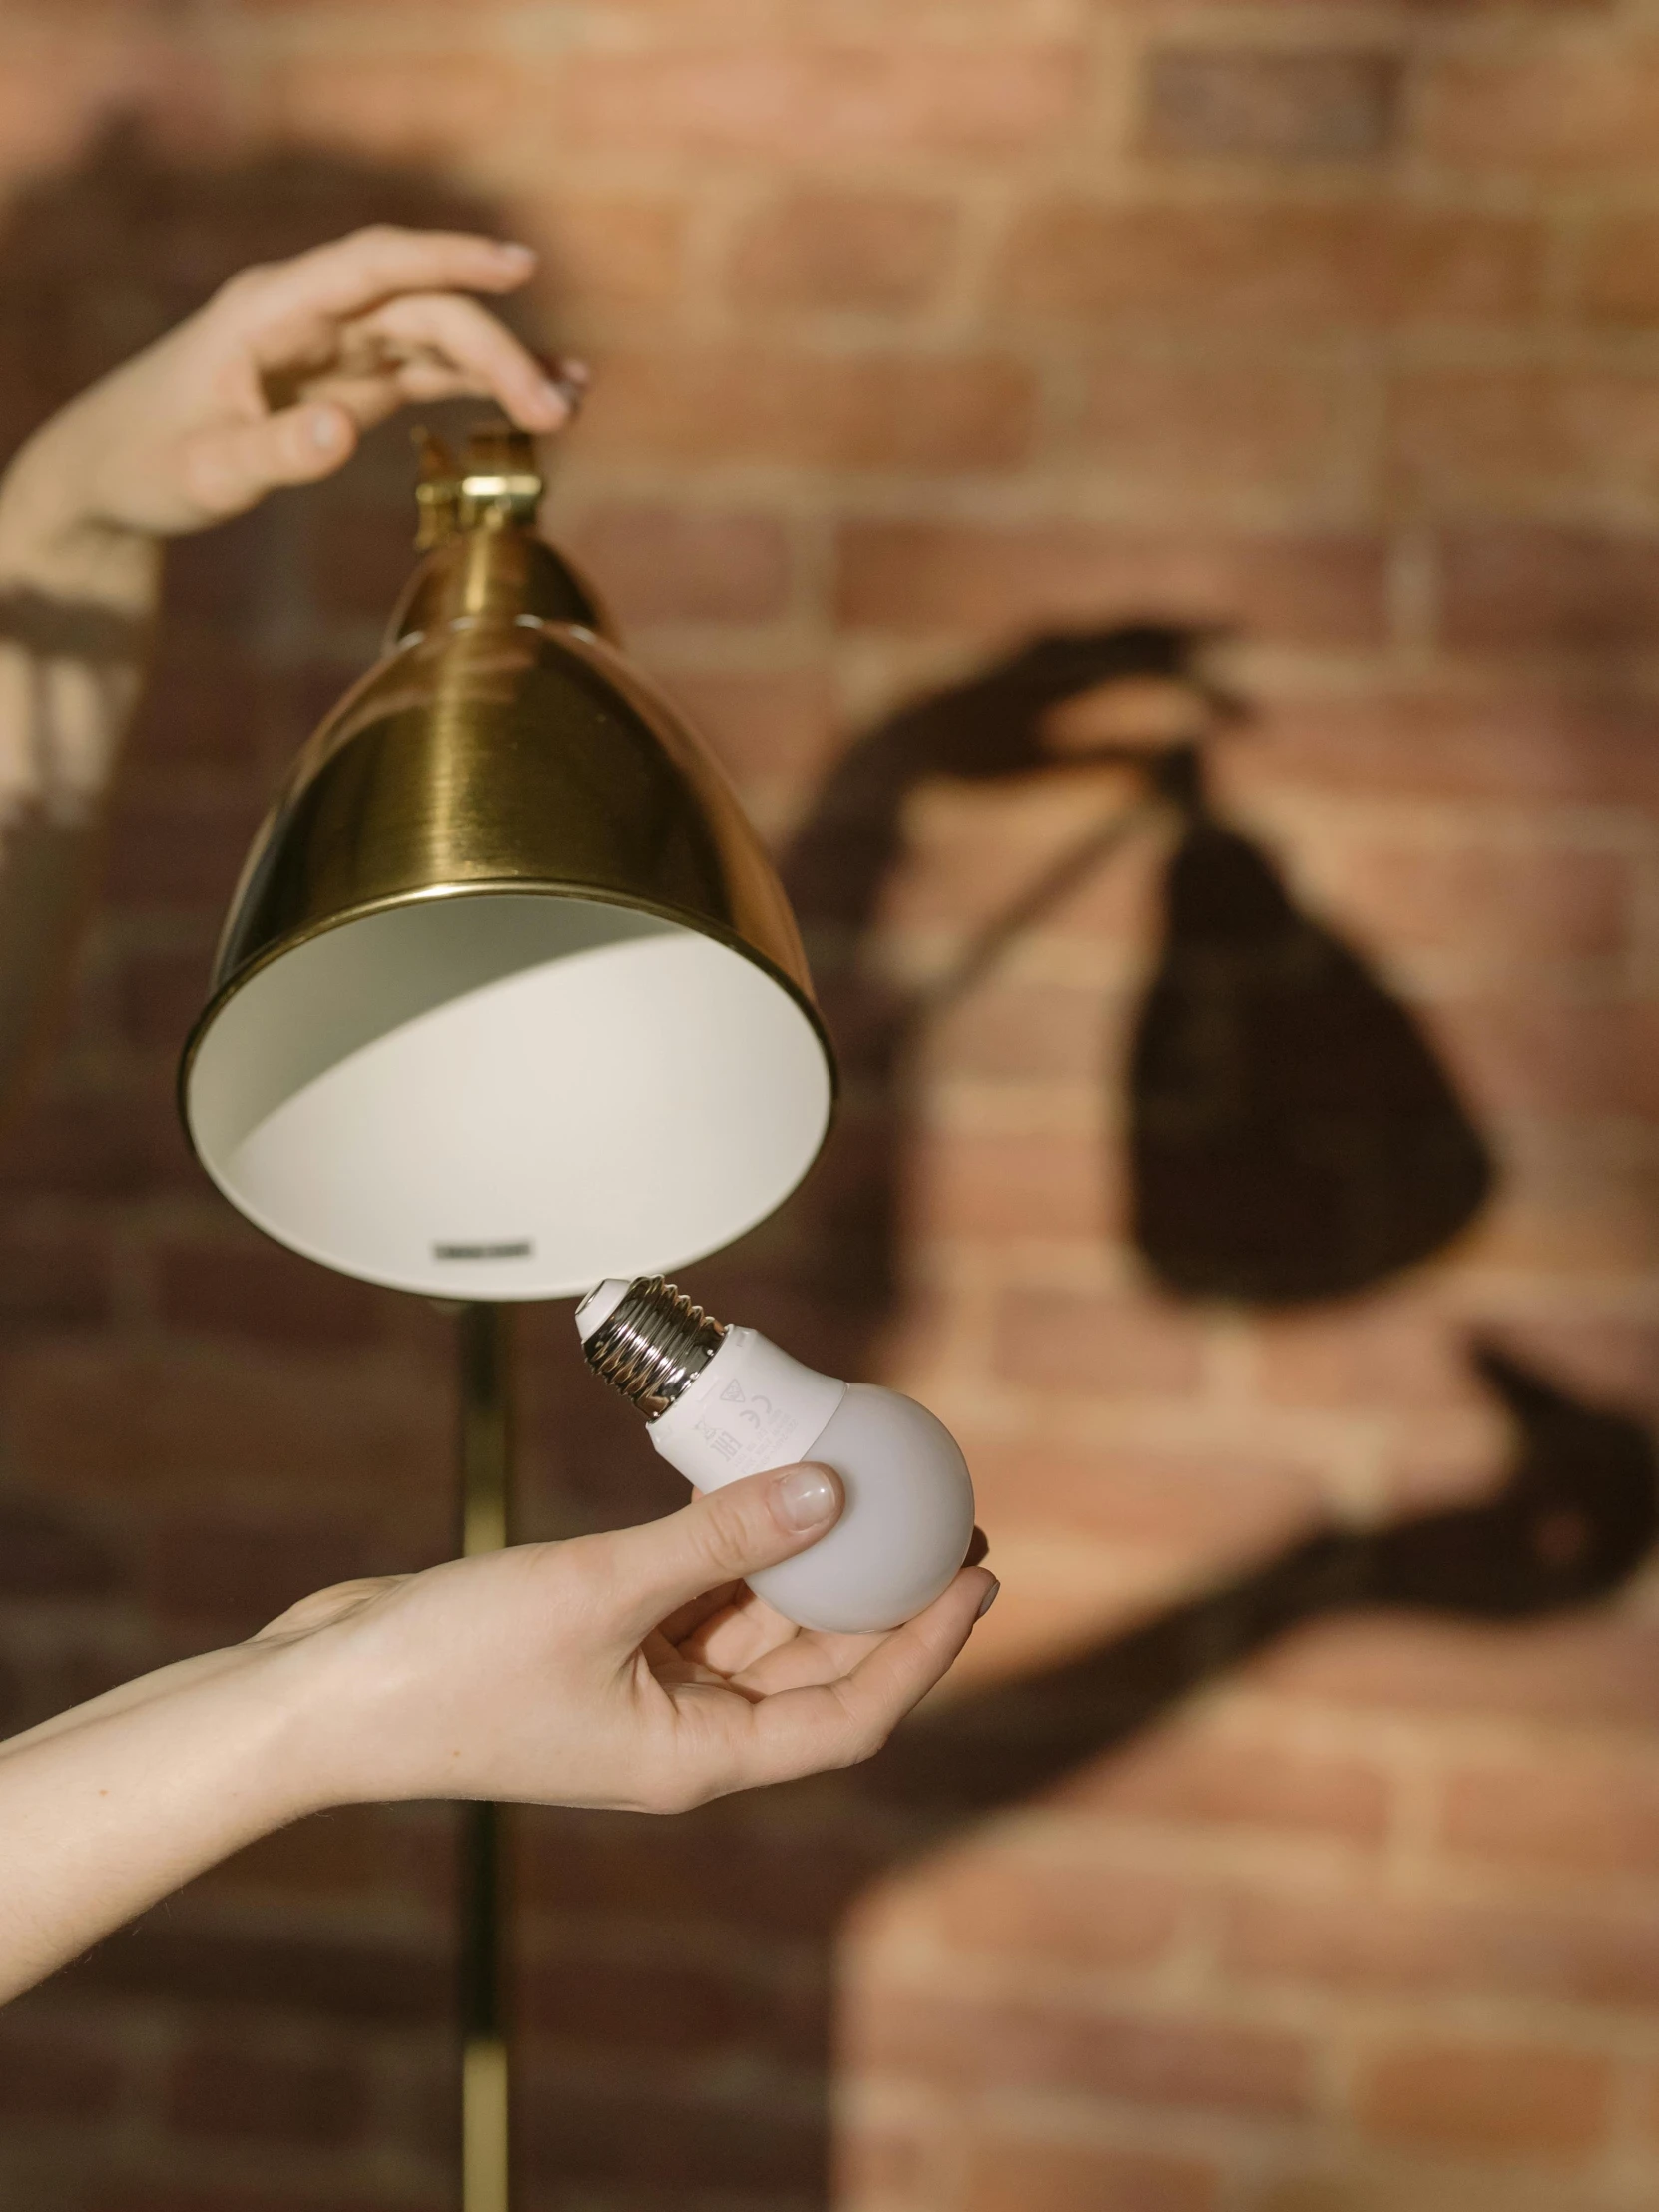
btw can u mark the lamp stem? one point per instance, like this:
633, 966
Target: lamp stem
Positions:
486, 1465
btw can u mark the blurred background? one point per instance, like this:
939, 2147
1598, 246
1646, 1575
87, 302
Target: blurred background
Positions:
1291, 1841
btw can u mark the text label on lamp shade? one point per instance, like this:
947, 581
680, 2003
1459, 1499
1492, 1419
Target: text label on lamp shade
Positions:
510, 998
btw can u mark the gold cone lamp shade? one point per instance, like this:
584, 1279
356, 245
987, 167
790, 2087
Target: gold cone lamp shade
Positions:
509, 998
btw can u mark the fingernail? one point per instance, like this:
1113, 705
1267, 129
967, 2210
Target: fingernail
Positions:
807, 1497
517, 247
568, 386
325, 430
987, 1601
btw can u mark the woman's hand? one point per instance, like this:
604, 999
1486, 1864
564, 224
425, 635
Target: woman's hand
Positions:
630, 1670
271, 384
627, 1670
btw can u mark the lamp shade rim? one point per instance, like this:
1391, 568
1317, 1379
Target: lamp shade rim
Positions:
499, 886
701, 926
696, 925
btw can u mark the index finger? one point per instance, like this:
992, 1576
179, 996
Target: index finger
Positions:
353, 274
836, 1723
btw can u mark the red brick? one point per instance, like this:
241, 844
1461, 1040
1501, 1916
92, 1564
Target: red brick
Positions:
1361, 1940
809, 102
1011, 2174
46, 1552
1204, 431
1564, 1814
1199, 1504
608, 252
361, 556
442, 102
1305, 104
1618, 270
1502, 2099
1595, 1668
196, 697
232, 1575
1483, 439
848, 251
729, 2013
139, 2196
1099, 1347
1366, 1355
1525, 904
177, 850
265, 1295
972, 578
130, 1424
1562, 110
1529, 586
1055, 1185
1142, 2057
51, 2072
1598, 1356
1185, 1780
1267, 269
1519, 1054
49, 93
974, 849
107, 1140
53, 1275
737, 1868
157, 996
1010, 1905
400, 1853
686, 564
908, 411
878, 2158
266, 2097
764, 724
669, 2142
1505, 738
1025, 1032
363, 1984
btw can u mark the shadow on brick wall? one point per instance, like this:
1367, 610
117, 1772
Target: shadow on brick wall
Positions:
677, 1997
1293, 1137
681, 2032
1293, 1141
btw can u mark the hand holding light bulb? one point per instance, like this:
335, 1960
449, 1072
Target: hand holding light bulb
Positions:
727, 1403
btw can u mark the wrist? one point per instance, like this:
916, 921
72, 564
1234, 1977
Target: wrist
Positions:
287, 1691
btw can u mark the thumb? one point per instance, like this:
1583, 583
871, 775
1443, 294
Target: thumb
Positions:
719, 1538
229, 469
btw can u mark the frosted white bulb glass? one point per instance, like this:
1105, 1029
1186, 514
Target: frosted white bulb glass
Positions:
726, 1402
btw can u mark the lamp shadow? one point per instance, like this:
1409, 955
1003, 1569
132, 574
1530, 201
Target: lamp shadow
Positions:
678, 2011
1292, 1140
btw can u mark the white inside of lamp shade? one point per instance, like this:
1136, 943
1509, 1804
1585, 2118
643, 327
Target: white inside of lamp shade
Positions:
508, 1096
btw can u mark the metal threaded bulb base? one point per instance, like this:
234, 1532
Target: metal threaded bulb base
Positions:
652, 1343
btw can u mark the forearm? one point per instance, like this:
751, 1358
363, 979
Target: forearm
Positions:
108, 1808
77, 598
76, 601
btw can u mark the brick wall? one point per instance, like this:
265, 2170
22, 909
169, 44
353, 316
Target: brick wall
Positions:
919, 330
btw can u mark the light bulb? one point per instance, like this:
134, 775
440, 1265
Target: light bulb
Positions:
725, 1402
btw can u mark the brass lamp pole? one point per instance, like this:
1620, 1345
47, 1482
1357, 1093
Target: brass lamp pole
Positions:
486, 1474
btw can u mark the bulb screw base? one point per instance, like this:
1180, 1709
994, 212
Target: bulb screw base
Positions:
652, 1344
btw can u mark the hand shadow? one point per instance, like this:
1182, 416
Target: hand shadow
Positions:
717, 2072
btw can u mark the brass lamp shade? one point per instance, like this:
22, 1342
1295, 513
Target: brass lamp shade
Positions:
509, 998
